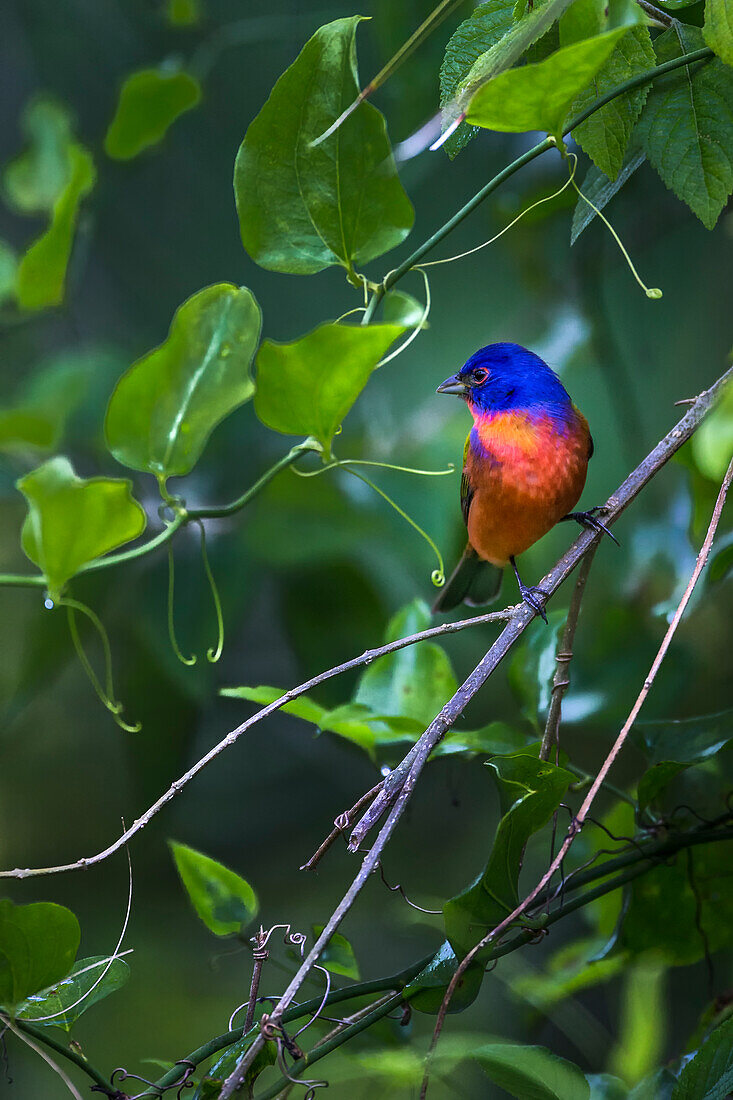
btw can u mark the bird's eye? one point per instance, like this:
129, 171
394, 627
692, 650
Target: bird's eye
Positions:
479, 375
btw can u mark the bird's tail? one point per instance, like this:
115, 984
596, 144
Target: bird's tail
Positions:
473, 581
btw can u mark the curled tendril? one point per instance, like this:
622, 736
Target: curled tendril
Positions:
438, 575
106, 693
212, 653
418, 327
171, 626
651, 292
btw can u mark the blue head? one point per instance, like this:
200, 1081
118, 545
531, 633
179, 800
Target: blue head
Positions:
507, 377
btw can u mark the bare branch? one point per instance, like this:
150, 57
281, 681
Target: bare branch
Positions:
582, 814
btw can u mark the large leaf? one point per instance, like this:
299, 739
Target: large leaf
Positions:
532, 668
38, 945
600, 189
532, 1073
222, 898
427, 989
35, 179
150, 102
414, 682
646, 925
605, 135
718, 29
686, 127
539, 96
307, 387
42, 271
529, 790
485, 26
72, 520
165, 407
675, 745
303, 207
709, 1075
65, 1001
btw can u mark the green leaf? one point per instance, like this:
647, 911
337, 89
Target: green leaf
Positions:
73, 520
496, 738
600, 190
485, 26
37, 177
605, 135
402, 309
303, 207
721, 563
210, 1086
338, 957
150, 102
605, 1087
532, 668
308, 386
646, 925
166, 405
539, 96
355, 724
529, 791
184, 13
67, 1000
711, 443
224, 901
41, 274
427, 989
570, 970
414, 682
641, 1041
718, 28
709, 1075
686, 127
677, 744
658, 1086
38, 945
532, 1073
36, 421
8, 271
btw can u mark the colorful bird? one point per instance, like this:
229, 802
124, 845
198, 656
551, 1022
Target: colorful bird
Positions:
524, 468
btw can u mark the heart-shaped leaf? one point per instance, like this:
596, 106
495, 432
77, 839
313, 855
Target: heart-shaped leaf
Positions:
222, 898
150, 102
62, 1003
72, 520
41, 274
38, 945
532, 1073
165, 407
529, 790
307, 387
305, 206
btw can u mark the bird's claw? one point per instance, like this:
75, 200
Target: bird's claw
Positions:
591, 521
534, 597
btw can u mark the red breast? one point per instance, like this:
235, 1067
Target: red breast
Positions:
527, 471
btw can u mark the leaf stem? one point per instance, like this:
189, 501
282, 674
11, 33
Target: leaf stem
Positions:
308, 445
42, 1036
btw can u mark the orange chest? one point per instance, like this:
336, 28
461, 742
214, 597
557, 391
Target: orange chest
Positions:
525, 474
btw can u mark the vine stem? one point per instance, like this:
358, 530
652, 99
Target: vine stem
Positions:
400, 783
393, 277
577, 824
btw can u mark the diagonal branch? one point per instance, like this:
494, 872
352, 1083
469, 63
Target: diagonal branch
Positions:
400, 783
577, 824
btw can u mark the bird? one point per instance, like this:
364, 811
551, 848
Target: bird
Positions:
524, 468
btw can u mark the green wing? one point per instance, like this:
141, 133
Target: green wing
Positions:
467, 489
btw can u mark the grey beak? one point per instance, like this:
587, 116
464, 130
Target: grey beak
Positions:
453, 385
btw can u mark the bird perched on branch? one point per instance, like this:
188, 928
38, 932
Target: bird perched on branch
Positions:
524, 468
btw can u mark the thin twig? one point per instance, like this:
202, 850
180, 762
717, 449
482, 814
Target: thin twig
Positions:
582, 814
341, 823
563, 657
231, 738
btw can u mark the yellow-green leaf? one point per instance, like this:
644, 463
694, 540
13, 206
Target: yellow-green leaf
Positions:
150, 102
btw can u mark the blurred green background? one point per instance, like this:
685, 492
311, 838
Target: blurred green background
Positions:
311, 572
